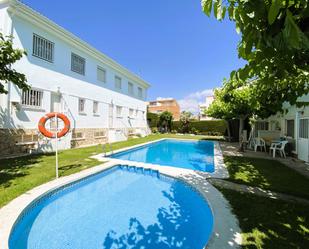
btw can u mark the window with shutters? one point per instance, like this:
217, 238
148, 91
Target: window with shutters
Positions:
140, 92
43, 48
32, 98
101, 74
118, 83
81, 105
78, 64
130, 88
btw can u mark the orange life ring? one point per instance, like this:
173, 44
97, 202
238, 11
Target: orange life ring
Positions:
50, 134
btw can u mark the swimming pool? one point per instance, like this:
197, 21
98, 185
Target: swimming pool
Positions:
123, 207
195, 155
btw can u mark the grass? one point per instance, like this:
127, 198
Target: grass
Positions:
268, 223
18, 175
267, 174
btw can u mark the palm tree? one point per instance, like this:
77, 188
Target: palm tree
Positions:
165, 121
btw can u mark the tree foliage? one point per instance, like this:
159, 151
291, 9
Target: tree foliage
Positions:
185, 118
8, 56
275, 44
165, 121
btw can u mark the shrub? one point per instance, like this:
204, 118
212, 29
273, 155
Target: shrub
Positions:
153, 119
207, 127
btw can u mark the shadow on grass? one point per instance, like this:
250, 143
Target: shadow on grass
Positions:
13, 168
268, 223
267, 174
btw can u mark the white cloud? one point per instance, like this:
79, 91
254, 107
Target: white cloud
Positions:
192, 101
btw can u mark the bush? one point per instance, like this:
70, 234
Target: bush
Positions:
153, 119
154, 130
207, 127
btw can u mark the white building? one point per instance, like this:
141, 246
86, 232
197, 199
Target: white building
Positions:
103, 100
204, 106
293, 124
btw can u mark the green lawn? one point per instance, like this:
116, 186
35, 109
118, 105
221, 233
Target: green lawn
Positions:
267, 174
268, 223
21, 174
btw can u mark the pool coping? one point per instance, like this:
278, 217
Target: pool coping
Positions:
226, 231
220, 170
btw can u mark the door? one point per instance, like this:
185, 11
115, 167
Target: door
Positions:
55, 105
303, 139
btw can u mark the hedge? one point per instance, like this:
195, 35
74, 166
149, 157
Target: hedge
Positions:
207, 127
152, 119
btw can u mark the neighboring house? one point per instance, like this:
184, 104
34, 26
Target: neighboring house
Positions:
292, 124
168, 104
103, 100
203, 107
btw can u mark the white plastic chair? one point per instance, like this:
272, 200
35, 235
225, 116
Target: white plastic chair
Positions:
259, 142
278, 147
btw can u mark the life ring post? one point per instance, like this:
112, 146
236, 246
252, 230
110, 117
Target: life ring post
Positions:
54, 135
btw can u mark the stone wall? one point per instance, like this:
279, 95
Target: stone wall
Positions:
17, 141
88, 136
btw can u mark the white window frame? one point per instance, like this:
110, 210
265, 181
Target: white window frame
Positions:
286, 128
118, 80
32, 98
74, 64
101, 70
119, 111
81, 110
42, 48
95, 108
131, 112
130, 88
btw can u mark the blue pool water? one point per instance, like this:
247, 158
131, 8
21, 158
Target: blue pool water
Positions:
116, 209
196, 155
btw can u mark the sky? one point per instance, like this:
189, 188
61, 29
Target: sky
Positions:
171, 44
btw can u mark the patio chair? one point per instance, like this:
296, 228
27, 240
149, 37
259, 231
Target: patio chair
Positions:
259, 142
278, 147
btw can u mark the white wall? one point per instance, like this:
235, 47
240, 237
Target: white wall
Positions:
51, 77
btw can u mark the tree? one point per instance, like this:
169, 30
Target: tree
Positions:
275, 44
185, 118
8, 56
165, 121
233, 103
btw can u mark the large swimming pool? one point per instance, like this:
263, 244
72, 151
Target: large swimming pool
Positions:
118, 208
196, 155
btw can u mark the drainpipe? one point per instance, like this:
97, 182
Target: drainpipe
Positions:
9, 83
297, 131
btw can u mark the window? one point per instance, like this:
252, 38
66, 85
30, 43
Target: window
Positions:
130, 88
32, 98
117, 83
78, 64
261, 126
118, 111
101, 74
81, 105
304, 128
99, 134
131, 113
290, 128
95, 107
77, 135
43, 48
140, 92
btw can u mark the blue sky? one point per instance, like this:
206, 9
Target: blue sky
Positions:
169, 43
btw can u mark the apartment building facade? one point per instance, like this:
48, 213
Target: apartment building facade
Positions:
103, 100
165, 104
204, 106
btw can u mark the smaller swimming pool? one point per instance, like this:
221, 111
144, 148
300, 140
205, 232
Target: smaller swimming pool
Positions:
195, 155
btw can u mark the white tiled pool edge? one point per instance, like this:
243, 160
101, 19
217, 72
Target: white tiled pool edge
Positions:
226, 232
